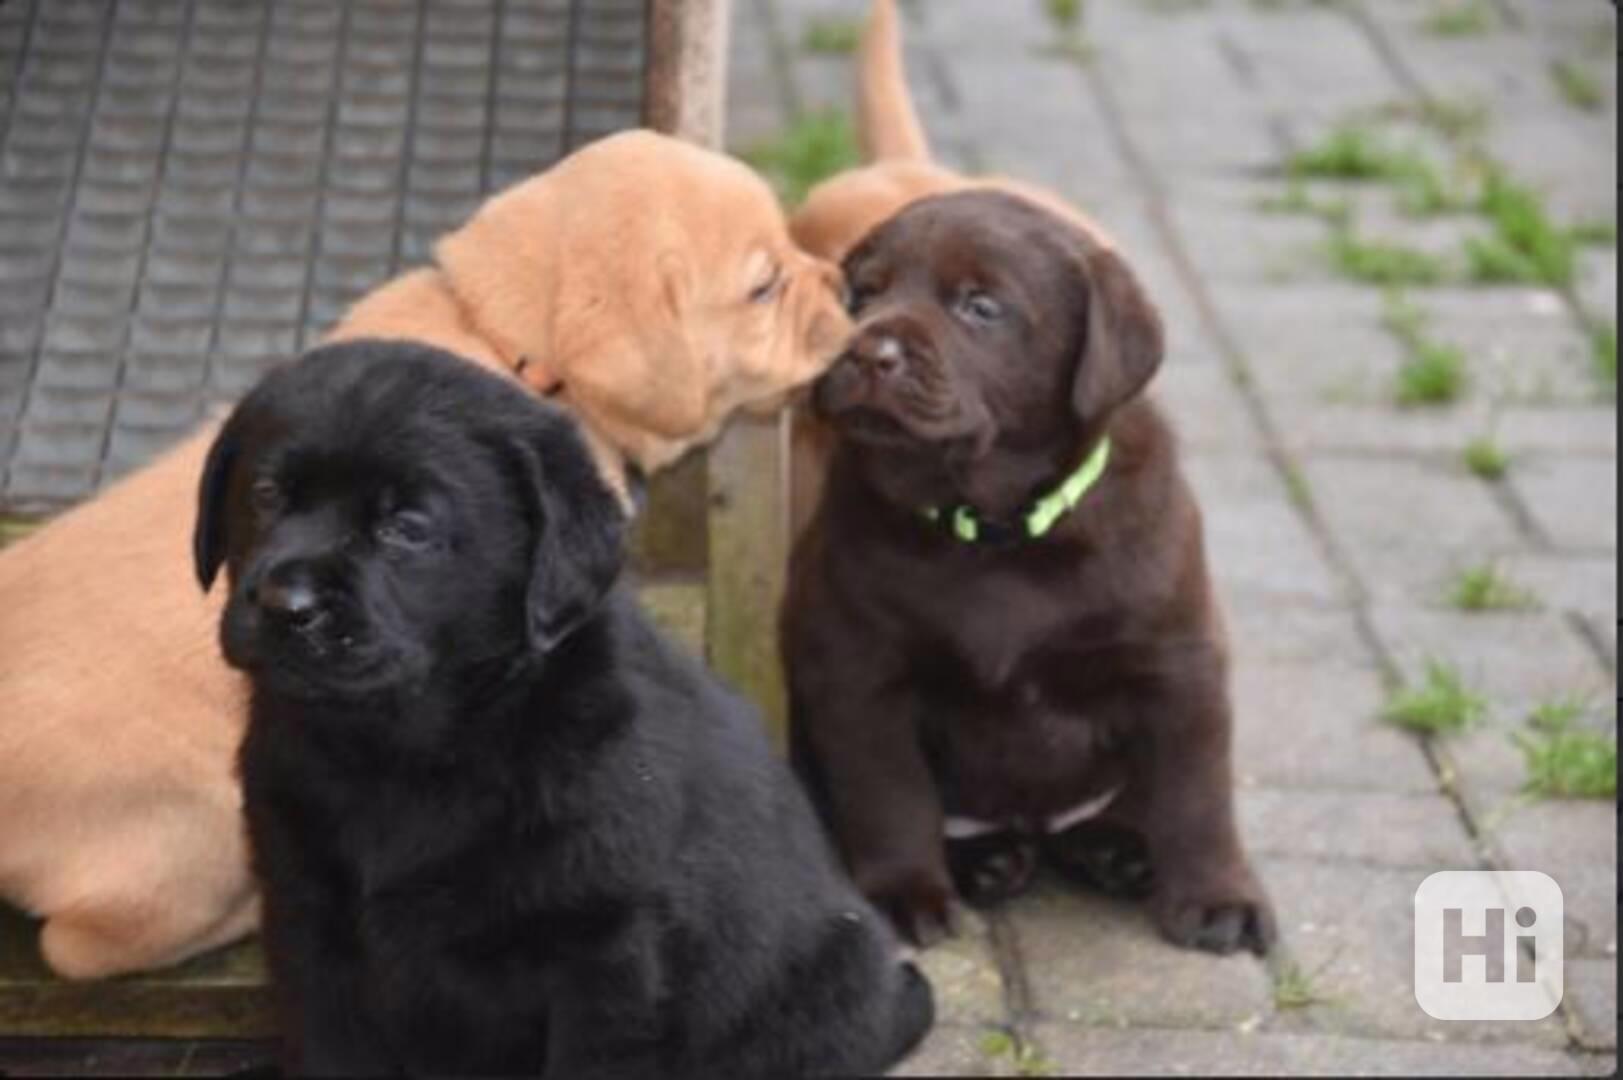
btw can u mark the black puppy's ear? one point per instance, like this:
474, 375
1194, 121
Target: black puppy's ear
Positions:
1125, 340
580, 537
209, 534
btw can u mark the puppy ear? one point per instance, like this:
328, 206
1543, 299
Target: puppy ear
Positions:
646, 370
209, 533
580, 536
1125, 340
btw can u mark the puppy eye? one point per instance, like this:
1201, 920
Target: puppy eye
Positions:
409, 530
266, 496
767, 289
978, 307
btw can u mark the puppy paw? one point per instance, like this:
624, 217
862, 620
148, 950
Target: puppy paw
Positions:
918, 902
1218, 919
989, 870
1111, 858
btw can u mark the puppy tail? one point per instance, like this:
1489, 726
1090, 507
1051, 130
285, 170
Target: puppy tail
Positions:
914, 1015
887, 123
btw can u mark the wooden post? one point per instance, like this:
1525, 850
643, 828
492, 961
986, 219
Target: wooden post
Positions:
747, 486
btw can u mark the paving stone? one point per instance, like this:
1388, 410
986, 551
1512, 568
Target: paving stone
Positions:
1257, 544
1351, 927
1091, 1051
1406, 526
1575, 842
964, 972
1090, 958
956, 1050
1306, 726
1591, 995
1574, 500
1207, 409
1585, 584
1371, 828
1515, 661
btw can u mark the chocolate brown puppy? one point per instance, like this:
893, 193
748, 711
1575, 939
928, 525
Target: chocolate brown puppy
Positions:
1000, 633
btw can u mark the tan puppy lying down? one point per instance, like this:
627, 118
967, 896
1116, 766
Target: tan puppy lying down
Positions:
650, 285
840, 211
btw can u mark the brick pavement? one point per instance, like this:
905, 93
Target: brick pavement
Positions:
1336, 519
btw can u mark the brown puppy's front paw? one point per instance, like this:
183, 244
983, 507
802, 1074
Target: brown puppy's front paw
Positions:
991, 869
1219, 918
1111, 858
919, 903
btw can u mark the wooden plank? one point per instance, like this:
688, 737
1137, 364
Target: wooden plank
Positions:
749, 546
747, 469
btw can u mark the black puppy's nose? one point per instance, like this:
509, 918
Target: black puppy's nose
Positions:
879, 353
291, 597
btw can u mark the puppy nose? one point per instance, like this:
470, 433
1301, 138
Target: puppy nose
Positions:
292, 598
879, 353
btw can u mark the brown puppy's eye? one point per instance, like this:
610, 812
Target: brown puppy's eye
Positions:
978, 307
767, 289
265, 496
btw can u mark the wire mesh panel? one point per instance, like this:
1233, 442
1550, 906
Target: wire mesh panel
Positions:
192, 190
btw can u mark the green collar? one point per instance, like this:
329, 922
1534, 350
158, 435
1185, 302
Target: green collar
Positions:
964, 523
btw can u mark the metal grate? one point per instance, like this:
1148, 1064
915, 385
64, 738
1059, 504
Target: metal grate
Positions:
192, 190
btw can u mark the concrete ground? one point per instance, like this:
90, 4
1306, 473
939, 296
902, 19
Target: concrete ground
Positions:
1340, 522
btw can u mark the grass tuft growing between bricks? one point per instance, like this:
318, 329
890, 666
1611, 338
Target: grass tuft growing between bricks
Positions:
1486, 588
1603, 349
1525, 245
1456, 119
1594, 233
1432, 372
1025, 1059
1297, 988
1464, 18
1578, 87
813, 148
1353, 152
1377, 262
1486, 458
1440, 704
1347, 153
1065, 14
1564, 760
831, 36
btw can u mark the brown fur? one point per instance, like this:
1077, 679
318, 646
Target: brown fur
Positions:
624, 276
930, 677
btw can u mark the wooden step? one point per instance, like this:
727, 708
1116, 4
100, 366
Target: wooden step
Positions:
222, 994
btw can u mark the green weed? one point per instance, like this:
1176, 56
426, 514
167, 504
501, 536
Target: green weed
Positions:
1486, 458
1440, 704
1485, 588
1466, 18
831, 36
1564, 760
1525, 245
1383, 263
1603, 347
1065, 14
1580, 89
813, 148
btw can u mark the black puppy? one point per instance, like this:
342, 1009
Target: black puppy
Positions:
500, 824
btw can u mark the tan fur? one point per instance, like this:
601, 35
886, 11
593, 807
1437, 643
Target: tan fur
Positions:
840, 211
625, 272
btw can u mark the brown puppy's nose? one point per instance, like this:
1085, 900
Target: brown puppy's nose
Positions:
879, 353
292, 598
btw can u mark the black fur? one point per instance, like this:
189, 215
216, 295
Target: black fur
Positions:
502, 826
